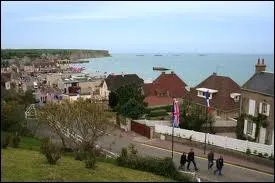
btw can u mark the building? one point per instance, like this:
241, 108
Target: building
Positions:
258, 98
224, 96
114, 82
163, 89
6, 80
79, 84
45, 66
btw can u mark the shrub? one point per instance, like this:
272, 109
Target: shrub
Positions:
15, 140
260, 155
50, 150
78, 155
5, 140
43, 145
271, 157
248, 151
255, 152
265, 155
90, 159
164, 167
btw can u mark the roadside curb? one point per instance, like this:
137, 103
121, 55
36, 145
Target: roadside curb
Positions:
234, 164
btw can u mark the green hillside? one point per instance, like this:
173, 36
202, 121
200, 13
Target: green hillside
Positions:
28, 165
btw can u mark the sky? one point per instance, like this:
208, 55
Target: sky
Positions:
140, 26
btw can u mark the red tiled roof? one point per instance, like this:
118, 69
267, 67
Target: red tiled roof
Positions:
158, 101
146, 88
221, 100
166, 83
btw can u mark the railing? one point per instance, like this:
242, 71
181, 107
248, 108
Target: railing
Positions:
221, 141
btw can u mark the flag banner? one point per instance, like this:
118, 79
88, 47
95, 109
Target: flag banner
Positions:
176, 113
207, 101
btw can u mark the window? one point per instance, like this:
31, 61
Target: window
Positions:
249, 127
264, 108
236, 98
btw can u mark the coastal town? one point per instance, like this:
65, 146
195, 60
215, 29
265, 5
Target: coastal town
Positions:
136, 91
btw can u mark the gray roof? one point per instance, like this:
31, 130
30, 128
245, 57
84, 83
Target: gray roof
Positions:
262, 82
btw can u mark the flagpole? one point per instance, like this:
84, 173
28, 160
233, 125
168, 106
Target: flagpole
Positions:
205, 133
173, 140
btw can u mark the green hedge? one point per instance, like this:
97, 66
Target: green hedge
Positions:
159, 166
159, 113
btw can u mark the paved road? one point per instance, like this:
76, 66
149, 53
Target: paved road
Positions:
231, 173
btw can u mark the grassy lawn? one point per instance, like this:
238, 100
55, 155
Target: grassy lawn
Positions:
25, 165
27, 142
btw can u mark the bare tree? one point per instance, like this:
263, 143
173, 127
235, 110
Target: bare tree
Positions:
80, 121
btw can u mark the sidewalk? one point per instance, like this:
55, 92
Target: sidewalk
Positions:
200, 153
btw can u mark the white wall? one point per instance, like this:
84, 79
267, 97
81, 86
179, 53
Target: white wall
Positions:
225, 142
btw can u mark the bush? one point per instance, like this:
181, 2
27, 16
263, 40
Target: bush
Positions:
90, 159
158, 113
265, 155
260, 155
5, 140
255, 152
248, 151
271, 157
79, 155
164, 167
15, 140
50, 150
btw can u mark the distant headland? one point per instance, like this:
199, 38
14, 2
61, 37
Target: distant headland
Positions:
71, 54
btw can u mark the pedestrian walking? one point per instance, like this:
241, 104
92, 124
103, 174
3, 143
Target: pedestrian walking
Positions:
191, 158
219, 165
182, 161
210, 157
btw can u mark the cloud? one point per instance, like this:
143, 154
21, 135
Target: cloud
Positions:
217, 11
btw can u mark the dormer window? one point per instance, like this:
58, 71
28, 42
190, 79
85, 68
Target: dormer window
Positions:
202, 92
235, 96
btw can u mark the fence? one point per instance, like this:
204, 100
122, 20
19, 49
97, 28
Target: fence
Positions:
225, 142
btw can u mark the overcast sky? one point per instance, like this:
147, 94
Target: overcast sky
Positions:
124, 27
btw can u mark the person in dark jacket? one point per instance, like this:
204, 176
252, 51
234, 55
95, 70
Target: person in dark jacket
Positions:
183, 161
219, 165
210, 157
191, 158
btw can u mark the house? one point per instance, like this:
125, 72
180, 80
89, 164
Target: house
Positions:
163, 89
6, 80
44, 66
114, 82
258, 98
46, 93
85, 84
28, 68
224, 96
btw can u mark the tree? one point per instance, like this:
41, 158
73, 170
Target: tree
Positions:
132, 109
12, 116
192, 117
130, 101
113, 99
89, 120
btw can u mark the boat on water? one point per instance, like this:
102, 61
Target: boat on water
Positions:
160, 69
202, 55
139, 55
157, 55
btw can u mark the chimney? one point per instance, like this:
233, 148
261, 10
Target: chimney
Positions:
260, 67
162, 72
172, 72
214, 74
122, 74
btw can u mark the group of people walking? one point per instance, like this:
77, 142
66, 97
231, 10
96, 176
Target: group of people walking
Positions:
191, 158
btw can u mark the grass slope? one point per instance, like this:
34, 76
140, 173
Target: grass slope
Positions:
27, 165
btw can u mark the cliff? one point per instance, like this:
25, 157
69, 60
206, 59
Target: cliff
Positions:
73, 54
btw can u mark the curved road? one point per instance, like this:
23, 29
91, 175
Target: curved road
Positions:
231, 173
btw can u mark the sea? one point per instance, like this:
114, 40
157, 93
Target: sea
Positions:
191, 68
